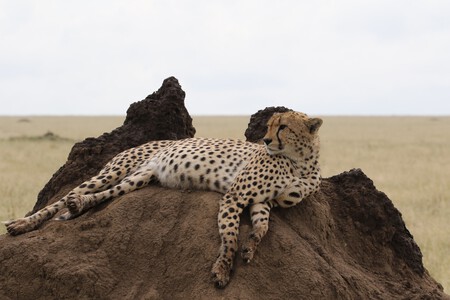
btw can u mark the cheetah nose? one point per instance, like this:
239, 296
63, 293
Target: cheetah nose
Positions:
267, 141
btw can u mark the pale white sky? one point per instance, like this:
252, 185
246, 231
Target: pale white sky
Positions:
231, 57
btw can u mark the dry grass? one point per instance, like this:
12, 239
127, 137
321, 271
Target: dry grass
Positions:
406, 157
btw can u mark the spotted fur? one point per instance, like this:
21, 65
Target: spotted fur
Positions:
281, 172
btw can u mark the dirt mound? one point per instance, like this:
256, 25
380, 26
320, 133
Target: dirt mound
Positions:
160, 116
347, 241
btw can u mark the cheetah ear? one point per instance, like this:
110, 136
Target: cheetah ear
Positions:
314, 125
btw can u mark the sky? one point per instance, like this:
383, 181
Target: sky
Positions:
348, 57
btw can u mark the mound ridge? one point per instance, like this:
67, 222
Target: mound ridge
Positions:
346, 241
160, 116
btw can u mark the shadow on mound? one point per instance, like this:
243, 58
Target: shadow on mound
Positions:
347, 241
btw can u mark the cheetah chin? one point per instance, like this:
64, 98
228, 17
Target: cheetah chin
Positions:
271, 151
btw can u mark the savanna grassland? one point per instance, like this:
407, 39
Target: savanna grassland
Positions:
408, 158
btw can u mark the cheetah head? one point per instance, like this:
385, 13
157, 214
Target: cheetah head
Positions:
292, 134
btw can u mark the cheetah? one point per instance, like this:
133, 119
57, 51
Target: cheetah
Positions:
281, 171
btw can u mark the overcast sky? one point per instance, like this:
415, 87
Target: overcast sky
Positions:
231, 57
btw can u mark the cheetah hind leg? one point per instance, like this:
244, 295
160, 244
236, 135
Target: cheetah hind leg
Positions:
22, 225
74, 201
77, 204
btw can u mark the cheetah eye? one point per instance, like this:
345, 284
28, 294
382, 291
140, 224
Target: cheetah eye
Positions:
282, 127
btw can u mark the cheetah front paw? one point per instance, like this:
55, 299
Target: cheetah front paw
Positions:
18, 226
220, 273
249, 249
247, 253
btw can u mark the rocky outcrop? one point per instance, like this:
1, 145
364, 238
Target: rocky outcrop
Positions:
346, 241
161, 115
258, 122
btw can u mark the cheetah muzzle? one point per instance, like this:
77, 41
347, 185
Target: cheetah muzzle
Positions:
280, 172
